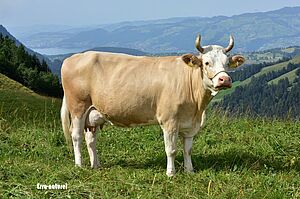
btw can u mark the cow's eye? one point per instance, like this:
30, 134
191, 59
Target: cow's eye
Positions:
206, 63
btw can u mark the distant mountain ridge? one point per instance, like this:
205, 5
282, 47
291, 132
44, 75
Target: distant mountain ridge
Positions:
56, 60
252, 31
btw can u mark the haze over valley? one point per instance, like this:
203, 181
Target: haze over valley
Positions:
252, 31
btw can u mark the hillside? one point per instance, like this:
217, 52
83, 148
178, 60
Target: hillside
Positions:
272, 92
275, 67
291, 76
16, 63
264, 70
178, 34
8, 84
4, 32
271, 55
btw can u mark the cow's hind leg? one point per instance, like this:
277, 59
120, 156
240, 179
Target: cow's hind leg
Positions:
187, 150
77, 132
90, 138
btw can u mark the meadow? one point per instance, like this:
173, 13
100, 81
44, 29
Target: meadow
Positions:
234, 157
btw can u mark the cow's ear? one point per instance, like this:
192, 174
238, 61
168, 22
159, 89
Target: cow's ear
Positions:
191, 60
236, 61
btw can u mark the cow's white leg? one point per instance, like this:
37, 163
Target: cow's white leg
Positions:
170, 138
77, 131
187, 151
90, 138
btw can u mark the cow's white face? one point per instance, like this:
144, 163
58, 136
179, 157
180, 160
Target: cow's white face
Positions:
215, 64
214, 69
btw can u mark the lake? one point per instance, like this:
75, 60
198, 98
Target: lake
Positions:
57, 51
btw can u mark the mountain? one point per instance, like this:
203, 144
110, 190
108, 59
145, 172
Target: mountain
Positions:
4, 32
252, 31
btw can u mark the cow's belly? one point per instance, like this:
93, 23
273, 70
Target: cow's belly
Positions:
126, 112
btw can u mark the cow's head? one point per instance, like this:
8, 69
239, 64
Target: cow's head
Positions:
215, 64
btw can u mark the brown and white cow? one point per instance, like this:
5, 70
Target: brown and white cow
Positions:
137, 90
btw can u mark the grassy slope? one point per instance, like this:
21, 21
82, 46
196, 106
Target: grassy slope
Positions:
275, 67
233, 158
7, 83
290, 75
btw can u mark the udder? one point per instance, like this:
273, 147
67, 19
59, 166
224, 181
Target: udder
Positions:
94, 119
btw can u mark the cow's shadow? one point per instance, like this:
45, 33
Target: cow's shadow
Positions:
231, 160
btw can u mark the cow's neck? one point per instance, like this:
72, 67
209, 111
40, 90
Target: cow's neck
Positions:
201, 95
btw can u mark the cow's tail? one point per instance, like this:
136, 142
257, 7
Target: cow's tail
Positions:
66, 124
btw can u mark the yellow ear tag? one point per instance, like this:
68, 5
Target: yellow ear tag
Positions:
191, 64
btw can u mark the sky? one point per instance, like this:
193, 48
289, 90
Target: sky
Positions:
14, 13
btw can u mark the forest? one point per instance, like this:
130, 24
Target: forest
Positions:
27, 69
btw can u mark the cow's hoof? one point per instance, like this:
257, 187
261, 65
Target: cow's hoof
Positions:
170, 173
97, 166
189, 170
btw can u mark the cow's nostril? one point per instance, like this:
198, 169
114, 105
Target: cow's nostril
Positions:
224, 82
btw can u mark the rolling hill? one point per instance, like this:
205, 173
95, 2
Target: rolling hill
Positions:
291, 76
9, 84
275, 67
178, 34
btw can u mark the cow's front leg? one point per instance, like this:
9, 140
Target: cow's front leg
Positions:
77, 131
90, 139
187, 151
170, 138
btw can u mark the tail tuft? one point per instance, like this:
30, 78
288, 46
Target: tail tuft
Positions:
66, 124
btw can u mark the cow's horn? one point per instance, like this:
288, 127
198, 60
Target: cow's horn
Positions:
197, 44
230, 45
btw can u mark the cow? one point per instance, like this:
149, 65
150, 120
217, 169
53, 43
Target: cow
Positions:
126, 91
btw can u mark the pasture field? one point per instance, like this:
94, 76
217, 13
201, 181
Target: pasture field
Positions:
236, 157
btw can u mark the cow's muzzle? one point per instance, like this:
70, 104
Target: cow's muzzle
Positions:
224, 82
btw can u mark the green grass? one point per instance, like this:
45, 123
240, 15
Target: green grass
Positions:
233, 157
